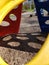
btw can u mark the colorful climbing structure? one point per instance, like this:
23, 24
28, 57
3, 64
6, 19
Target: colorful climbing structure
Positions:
11, 24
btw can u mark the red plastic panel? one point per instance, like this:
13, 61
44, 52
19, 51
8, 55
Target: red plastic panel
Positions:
11, 22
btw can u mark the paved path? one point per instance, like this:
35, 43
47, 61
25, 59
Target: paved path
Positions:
29, 24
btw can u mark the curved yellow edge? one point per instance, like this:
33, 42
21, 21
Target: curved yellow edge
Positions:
42, 57
6, 6
2, 62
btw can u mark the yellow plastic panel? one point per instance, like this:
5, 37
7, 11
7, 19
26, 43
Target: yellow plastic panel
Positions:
6, 6
2, 62
42, 57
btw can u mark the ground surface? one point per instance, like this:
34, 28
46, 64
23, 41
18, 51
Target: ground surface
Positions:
17, 49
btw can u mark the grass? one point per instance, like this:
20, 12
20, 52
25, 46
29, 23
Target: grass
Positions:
29, 10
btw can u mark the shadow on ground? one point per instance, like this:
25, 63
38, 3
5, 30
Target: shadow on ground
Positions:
30, 42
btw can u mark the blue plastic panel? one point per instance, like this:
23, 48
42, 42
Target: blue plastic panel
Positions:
42, 19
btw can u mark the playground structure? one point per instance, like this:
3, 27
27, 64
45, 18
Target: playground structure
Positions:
42, 19
7, 8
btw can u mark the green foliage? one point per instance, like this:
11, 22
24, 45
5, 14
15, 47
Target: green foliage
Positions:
27, 7
32, 6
